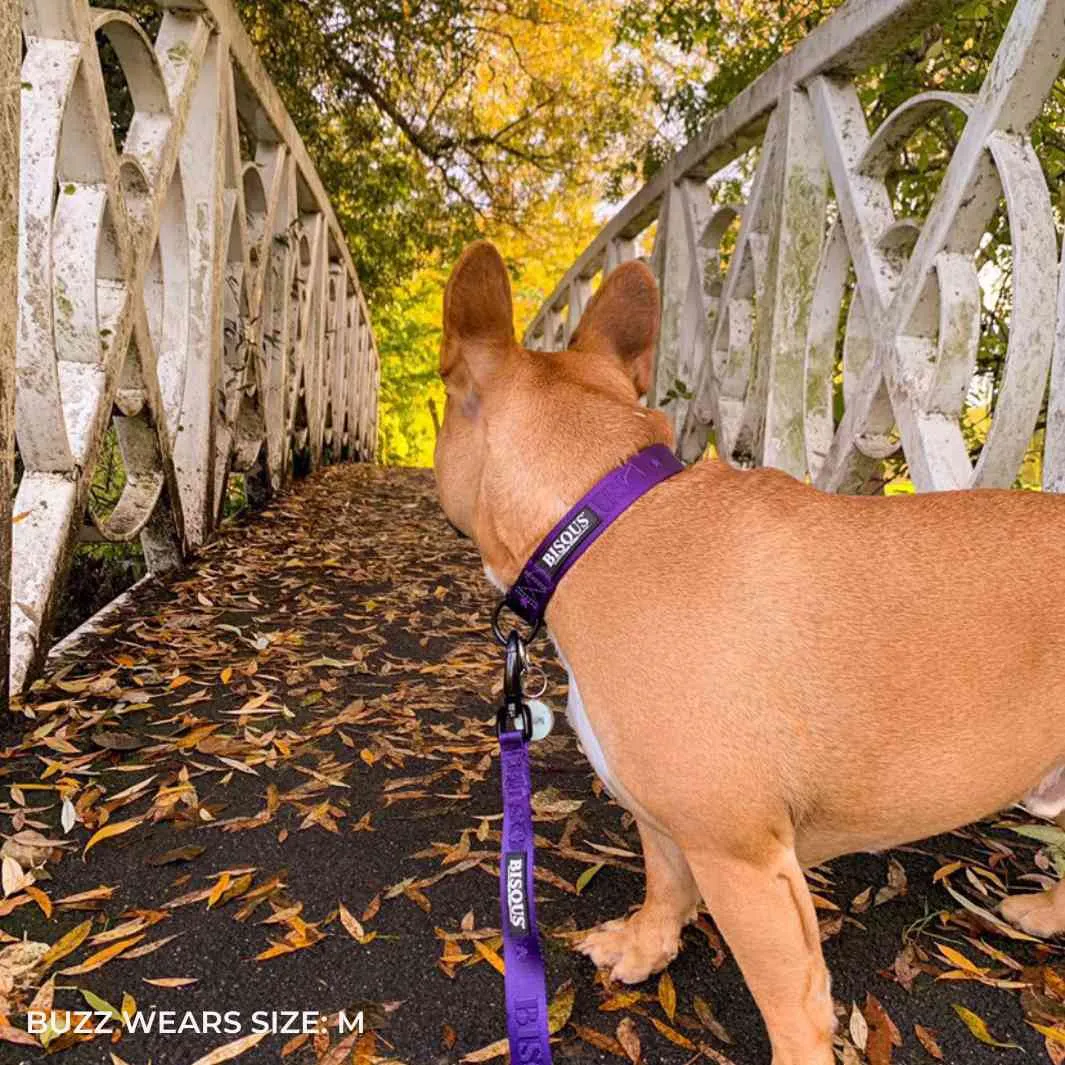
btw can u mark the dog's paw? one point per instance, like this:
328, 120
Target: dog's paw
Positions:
1036, 914
632, 949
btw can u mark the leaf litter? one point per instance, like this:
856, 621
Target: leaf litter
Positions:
316, 695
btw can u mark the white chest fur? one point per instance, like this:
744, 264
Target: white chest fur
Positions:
580, 724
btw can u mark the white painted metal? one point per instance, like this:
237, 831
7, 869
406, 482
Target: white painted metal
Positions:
10, 57
842, 333
201, 303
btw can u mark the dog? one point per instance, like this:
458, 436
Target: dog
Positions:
767, 676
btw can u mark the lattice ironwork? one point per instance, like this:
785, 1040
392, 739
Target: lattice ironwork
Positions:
184, 293
842, 335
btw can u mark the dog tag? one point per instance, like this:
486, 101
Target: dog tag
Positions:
543, 718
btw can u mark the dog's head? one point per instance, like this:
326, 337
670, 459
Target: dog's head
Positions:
523, 430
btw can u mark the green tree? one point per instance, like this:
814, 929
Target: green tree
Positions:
433, 120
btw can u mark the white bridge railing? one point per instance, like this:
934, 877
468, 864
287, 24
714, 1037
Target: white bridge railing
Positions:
179, 290
840, 332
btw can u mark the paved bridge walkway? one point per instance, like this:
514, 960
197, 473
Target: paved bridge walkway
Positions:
289, 755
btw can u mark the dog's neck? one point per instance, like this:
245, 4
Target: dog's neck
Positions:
526, 490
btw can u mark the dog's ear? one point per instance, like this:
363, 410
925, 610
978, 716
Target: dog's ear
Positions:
622, 318
478, 312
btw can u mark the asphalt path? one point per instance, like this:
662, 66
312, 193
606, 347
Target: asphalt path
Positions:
311, 705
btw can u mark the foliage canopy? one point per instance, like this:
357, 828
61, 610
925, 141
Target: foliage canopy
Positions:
436, 121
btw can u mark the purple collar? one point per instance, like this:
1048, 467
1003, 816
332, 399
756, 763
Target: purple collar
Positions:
583, 524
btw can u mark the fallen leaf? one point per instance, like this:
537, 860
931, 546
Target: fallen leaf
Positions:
859, 1027
231, 1050
42, 900
9, 1034
101, 1004
178, 854
67, 944
108, 832
978, 1026
988, 917
673, 1035
490, 956
928, 1041
585, 878
102, 957
883, 1034
709, 1021
667, 995
12, 876
896, 886
629, 1039
558, 1012
599, 1040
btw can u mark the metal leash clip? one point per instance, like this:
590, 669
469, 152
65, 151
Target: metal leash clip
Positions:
514, 713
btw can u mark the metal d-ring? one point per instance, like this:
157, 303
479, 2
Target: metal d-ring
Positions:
497, 628
541, 678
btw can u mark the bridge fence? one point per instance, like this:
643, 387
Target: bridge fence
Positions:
178, 296
814, 329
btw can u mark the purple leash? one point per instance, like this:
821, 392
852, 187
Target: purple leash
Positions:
524, 979
583, 524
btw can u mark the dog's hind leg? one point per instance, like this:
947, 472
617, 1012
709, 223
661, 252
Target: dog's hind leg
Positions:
1041, 913
635, 947
763, 908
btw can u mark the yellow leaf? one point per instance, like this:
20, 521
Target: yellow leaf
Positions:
955, 957
621, 1000
945, 871
978, 1026
584, 879
667, 995
107, 832
102, 957
1050, 1031
100, 1004
231, 1050
67, 944
673, 1035
489, 956
41, 899
218, 890
175, 981
226, 675
561, 1007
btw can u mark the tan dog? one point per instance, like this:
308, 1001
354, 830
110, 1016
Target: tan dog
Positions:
769, 676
